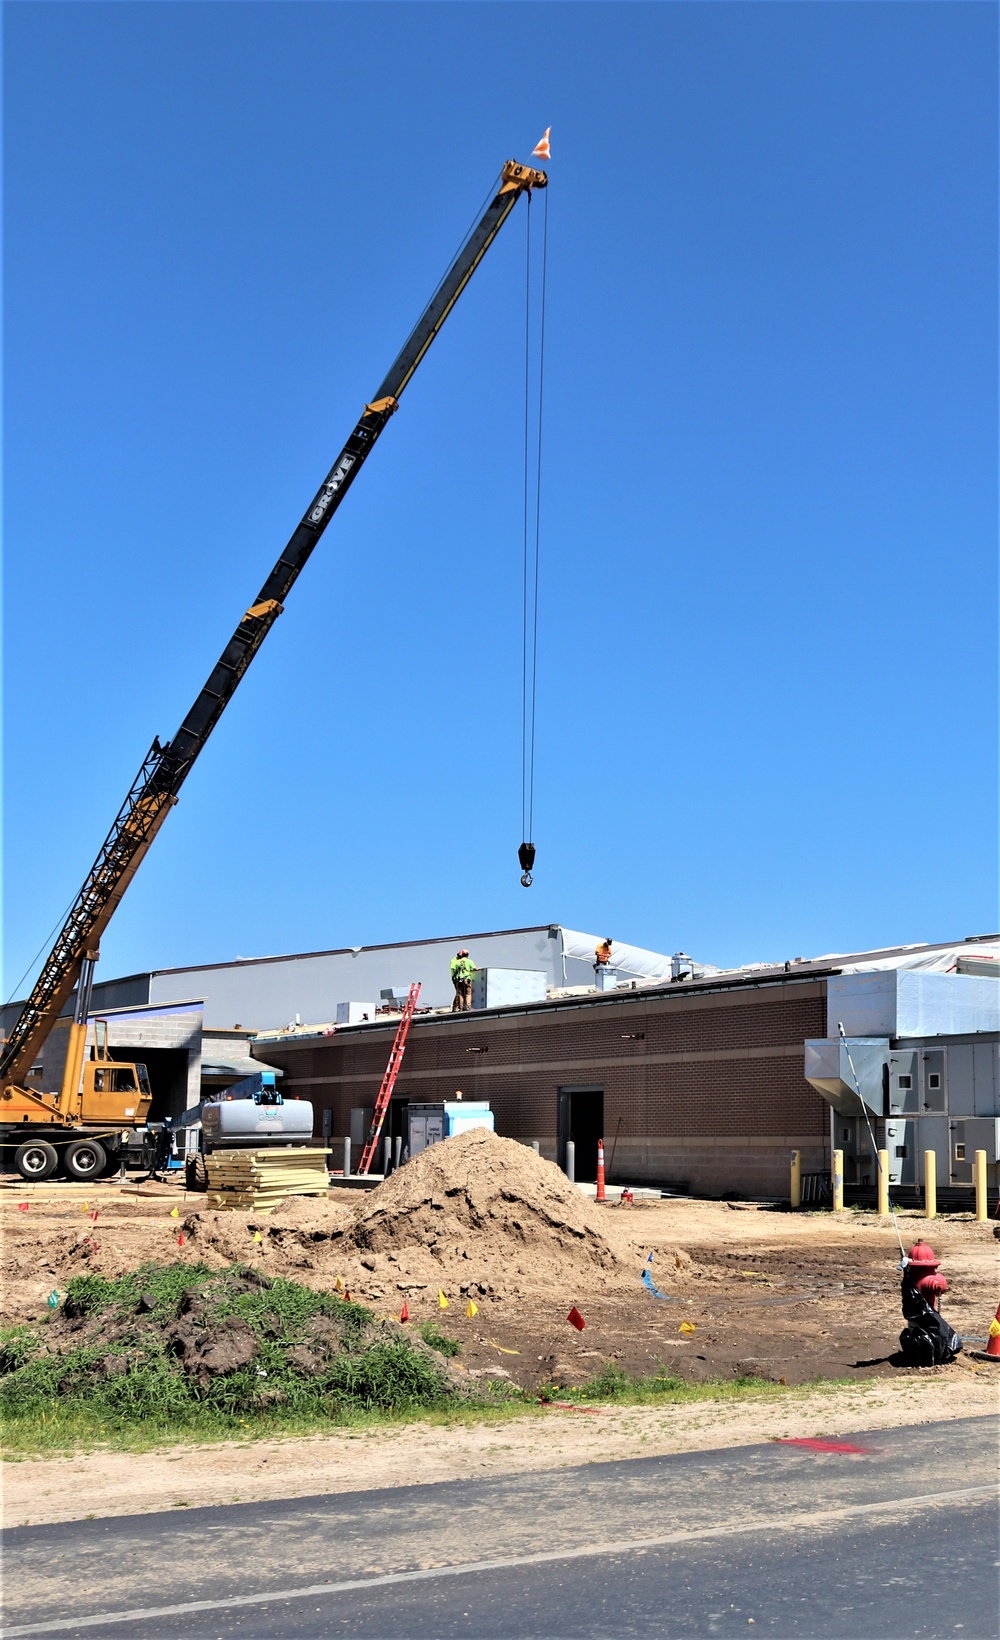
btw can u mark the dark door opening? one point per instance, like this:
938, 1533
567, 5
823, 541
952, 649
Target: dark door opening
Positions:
581, 1118
394, 1126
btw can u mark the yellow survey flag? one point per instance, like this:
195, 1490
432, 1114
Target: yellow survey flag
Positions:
494, 1345
257, 1236
442, 1300
471, 1309
173, 1213
687, 1328
84, 1207
338, 1285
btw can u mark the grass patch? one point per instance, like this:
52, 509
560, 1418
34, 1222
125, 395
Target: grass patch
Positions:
172, 1351
128, 1365
619, 1388
432, 1335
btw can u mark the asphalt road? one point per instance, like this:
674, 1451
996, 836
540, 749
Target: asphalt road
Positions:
897, 1540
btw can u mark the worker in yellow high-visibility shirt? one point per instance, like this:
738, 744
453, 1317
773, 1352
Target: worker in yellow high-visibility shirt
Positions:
462, 970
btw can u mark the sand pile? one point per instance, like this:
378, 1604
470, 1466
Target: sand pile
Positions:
477, 1214
489, 1198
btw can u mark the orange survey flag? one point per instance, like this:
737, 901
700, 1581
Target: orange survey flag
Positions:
542, 150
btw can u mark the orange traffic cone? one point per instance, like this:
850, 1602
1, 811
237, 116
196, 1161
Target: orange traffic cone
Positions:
600, 1171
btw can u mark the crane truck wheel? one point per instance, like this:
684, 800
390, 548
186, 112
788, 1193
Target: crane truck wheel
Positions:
36, 1160
85, 1159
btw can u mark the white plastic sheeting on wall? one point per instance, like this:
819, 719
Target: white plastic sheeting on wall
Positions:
904, 1002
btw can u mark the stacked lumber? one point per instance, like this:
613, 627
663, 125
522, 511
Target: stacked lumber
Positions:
263, 1178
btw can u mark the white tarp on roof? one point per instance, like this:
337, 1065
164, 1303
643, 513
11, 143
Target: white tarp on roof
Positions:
650, 966
978, 957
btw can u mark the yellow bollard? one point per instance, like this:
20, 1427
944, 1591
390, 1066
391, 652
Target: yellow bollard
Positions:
930, 1184
796, 1190
838, 1181
980, 1172
883, 1183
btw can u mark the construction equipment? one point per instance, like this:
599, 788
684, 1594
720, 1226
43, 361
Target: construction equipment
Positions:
248, 1112
389, 1079
33, 1116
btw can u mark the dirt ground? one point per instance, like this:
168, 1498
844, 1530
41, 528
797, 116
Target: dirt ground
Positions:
791, 1297
488, 1226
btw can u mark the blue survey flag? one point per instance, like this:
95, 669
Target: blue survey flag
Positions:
647, 1282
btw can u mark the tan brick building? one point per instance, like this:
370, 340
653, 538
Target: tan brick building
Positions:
697, 1086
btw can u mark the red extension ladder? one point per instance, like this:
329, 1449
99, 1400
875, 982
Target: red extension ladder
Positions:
389, 1079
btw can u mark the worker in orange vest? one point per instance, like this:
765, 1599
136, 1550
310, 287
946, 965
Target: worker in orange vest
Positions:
602, 956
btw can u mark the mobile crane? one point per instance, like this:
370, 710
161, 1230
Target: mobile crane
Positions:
100, 1100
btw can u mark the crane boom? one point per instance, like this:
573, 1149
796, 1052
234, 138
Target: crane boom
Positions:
165, 768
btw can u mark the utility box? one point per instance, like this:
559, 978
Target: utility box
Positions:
429, 1124
609, 979
506, 987
981, 1133
355, 1013
361, 1121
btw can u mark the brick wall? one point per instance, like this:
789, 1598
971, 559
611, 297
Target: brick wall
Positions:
702, 1089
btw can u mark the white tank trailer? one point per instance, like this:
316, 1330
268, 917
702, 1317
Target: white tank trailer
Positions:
250, 1115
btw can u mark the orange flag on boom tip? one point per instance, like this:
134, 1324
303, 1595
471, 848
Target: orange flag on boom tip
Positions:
542, 150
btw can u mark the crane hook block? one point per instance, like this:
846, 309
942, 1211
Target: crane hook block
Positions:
526, 859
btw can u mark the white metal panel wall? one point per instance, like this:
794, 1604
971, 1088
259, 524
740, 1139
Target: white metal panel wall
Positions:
267, 993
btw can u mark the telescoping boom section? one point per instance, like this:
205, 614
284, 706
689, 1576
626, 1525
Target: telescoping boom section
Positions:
165, 767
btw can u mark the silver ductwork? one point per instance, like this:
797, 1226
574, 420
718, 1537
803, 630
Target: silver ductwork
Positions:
828, 1070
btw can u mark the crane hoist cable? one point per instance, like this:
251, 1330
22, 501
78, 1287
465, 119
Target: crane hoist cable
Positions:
531, 546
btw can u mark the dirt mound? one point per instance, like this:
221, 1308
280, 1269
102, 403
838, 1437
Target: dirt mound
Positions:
477, 1215
489, 1198
171, 1343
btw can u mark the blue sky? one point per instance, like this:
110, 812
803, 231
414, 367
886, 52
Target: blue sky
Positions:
768, 603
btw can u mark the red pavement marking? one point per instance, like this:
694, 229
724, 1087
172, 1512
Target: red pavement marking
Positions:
822, 1446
